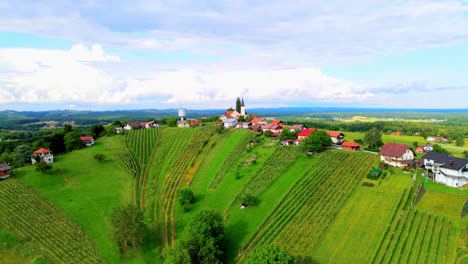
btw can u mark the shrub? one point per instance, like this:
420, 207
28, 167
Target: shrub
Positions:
374, 174
99, 157
248, 199
368, 184
186, 198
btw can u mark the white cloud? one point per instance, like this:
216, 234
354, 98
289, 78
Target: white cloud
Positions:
76, 77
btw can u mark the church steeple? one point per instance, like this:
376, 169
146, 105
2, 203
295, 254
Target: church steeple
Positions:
243, 113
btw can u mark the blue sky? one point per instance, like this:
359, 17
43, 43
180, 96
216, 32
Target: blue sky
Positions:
101, 55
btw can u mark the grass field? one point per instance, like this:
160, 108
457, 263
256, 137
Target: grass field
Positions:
443, 203
87, 190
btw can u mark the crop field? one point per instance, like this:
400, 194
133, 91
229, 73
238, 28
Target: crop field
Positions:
30, 217
301, 219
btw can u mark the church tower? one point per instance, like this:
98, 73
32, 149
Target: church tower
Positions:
243, 113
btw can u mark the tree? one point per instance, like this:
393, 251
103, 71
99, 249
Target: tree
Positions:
248, 199
268, 133
460, 140
186, 198
439, 148
97, 130
128, 229
178, 255
465, 154
67, 128
316, 142
286, 134
21, 155
99, 157
270, 254
373, 138
204, 238
415, 144
72, 140
43, 166
171, 121
238, 105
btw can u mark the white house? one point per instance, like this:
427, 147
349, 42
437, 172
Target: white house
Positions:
435, 139
43, 154
447, 169
336, 137
230, 122
397, 155
87, 140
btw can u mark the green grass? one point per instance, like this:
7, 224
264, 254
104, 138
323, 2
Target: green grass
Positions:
87, 190
443, 203
366, 215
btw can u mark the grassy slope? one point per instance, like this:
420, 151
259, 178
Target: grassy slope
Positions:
87, 190
443, 203
366, 215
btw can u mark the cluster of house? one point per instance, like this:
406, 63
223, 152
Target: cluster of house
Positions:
444, 167
138, 125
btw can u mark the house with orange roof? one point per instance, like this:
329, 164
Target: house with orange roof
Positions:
336, 137
42, 154
278, 122
349, 145
258, 120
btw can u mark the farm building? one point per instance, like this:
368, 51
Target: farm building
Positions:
195, 123
305, 133
87, 140
436, 139
4, 171
348, 145
278, 122
336, 137
397, 155
424, 148
258, 120
42, 154
276, 129
297, 127
447, 169
132, 125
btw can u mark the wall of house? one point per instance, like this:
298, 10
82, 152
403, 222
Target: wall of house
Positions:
453, 179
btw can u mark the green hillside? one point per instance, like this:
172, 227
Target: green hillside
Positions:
313, 207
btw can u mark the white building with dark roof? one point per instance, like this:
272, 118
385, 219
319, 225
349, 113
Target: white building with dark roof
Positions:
447, 169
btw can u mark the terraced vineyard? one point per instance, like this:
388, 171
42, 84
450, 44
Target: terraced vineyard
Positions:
140, 146
418, 237
230, 159
29, 217
175, 179
301, 219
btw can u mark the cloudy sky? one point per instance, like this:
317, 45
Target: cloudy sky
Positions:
105, 55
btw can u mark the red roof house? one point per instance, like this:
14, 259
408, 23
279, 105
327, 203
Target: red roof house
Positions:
42, 154
258, 120
195, 122
278, 122
397, 155
349, 145
305, 133
87, 140
4, 171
